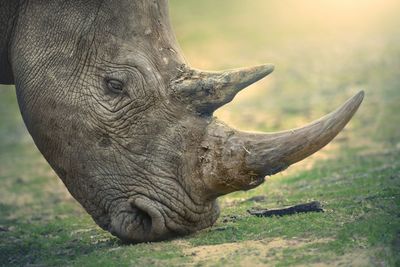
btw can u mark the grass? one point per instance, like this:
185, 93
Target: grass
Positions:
322, 58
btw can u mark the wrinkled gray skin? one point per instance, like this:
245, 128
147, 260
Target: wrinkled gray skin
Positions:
125, 157
126, 124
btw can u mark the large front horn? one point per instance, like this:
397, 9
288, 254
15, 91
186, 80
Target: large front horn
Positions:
234, 160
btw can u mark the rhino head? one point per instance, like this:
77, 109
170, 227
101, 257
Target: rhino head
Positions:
128, 126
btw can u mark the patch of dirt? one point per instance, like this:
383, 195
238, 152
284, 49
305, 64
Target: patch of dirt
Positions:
358, 258
266, 253
246, 253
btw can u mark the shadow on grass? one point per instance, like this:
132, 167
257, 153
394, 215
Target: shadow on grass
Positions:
57, 241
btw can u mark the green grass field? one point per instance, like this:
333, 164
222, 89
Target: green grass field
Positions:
324, 52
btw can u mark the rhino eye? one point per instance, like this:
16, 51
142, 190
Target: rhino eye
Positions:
115, 86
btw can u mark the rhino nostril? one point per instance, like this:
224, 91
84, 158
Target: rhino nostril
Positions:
142, 218
139, 220
152, 210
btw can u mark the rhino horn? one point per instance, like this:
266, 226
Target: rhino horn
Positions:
207, 91
235, 160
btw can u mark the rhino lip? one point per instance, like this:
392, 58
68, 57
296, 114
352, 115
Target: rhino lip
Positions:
139, 219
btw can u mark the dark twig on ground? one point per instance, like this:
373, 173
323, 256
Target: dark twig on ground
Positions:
314, 206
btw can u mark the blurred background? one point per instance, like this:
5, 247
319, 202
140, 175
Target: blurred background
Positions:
324, 52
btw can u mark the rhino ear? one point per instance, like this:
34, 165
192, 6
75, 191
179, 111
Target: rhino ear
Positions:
8, 11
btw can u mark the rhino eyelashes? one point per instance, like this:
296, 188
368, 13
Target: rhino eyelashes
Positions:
115, 86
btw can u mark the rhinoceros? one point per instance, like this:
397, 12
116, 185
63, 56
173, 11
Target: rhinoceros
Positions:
128, 125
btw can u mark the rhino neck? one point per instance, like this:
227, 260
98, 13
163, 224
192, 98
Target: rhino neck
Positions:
8, 14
